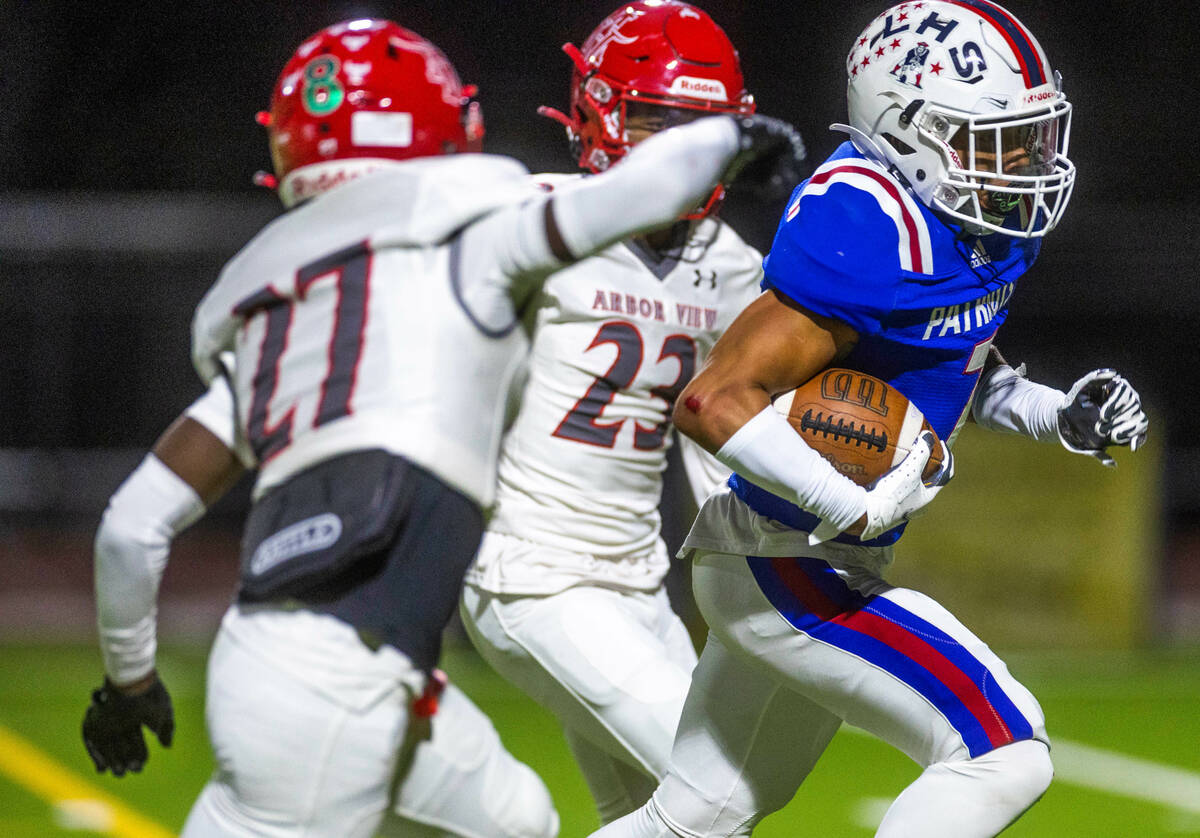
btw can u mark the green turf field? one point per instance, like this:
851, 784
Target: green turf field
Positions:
1127, 755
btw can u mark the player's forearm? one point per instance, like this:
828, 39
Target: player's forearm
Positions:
746, 433
131, 548
660, 180
504, 258
710, 411
1007, 402
768, 452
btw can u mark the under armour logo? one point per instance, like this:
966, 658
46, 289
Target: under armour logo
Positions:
711, 279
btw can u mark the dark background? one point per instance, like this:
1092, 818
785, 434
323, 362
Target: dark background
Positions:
129, 144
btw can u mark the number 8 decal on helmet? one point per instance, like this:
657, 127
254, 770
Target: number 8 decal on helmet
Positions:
358, 95
958, 99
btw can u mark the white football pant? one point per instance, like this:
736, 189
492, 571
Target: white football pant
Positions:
308, 728
612, 666
795, 648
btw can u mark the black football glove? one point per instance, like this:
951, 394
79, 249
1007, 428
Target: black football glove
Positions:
112, 726
772, 159
1102, 409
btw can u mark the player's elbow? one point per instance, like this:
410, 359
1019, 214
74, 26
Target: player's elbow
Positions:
703, 413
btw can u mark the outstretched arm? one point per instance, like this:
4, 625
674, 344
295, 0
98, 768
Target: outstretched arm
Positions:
1101, 409
509, 253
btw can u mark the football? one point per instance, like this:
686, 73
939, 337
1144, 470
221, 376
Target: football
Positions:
857, 422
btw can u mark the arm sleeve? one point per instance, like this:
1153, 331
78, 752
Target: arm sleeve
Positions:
510, 251
835, 254
768, 452
1008, 402
661, 179
142, 518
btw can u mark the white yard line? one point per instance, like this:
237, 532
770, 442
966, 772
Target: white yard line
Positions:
1126, 776
1119, 774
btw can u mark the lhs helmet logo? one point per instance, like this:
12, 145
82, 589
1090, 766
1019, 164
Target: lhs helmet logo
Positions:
912, 68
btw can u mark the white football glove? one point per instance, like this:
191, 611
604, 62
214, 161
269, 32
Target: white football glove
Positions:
899, 495
1102, 409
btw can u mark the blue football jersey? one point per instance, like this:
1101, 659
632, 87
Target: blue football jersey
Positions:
925, 298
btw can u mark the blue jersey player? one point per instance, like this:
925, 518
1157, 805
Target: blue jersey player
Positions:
898, 257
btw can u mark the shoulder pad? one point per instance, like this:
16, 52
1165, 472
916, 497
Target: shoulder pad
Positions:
860, 192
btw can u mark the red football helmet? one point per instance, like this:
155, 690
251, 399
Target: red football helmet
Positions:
360, 92
653, 57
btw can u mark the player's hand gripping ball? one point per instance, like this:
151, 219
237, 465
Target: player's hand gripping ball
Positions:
859, 423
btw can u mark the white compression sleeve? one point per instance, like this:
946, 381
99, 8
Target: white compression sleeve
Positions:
1008, 402
662, 178
143, 516
768, 452
504, 257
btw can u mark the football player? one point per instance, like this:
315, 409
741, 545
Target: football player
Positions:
458, 779
374, 328
898, 257
566, 596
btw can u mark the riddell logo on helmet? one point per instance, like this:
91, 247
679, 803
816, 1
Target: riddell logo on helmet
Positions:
314, 179
1041, 96
699, 88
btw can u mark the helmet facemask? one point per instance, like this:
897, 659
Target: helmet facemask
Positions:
606, 111
1001, 164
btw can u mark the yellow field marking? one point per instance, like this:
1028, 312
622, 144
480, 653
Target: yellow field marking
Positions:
28, 766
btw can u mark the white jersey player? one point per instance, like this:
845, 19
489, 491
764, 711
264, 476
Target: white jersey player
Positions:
566, 596
374, 328
459, 780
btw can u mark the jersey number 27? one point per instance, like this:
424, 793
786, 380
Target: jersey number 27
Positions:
351, 270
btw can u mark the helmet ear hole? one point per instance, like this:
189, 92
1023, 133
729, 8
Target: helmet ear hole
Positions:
899, 144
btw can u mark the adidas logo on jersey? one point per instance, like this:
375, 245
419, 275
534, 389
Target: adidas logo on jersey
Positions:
980, 256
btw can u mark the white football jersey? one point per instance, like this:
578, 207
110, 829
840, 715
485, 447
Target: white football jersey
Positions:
615, 339
354, 327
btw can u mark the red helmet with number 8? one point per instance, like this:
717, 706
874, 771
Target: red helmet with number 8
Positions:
661, 57
360, 93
